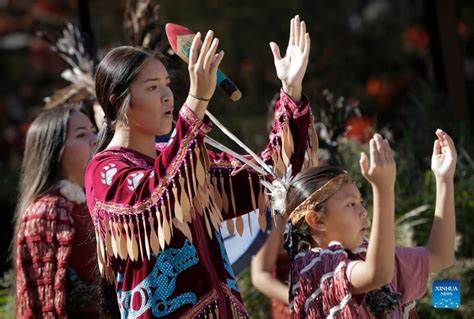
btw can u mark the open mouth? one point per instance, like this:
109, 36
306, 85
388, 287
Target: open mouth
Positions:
170, 112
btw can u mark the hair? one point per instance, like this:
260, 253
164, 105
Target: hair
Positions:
298, 237
300, 188
40, 169
115, 73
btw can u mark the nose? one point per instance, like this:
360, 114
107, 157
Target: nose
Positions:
363, 212
167, 96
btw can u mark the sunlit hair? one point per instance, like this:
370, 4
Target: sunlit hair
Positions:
41, 166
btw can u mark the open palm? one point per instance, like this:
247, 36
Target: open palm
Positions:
443, 160
292, 67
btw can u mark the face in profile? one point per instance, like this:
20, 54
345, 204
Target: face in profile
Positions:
80, 141
151, 100
345, 218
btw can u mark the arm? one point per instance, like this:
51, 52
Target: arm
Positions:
293, 139
290, 120
378, 267
43, 248
135, 205
441, 242
264, 262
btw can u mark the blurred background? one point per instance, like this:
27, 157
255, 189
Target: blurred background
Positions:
401, 67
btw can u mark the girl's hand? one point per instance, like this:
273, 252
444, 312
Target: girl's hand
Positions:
203, 65
381, 169
443, 160
291, 68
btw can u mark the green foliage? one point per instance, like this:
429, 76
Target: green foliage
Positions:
257, 304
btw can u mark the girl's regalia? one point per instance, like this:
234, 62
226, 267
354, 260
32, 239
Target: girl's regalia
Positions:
157, 220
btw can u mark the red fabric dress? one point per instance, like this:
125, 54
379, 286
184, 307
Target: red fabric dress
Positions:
157, 219
56, 261
320, 282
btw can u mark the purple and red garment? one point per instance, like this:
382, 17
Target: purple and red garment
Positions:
320, 283
55, 261
157, 219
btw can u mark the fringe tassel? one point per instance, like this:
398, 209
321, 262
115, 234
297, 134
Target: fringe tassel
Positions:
167, 228
147, 242
225, 200
239, 225
217, 196
178, 213
232, 197
200, 173
262, 220
230, 226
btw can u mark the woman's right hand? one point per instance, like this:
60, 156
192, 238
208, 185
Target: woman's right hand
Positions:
203, 65
381, 169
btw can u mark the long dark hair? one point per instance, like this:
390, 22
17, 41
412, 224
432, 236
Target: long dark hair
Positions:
114, 75
40, 169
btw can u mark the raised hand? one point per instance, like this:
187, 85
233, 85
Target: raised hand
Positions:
443, 160
381, 169
291, 68
202, 67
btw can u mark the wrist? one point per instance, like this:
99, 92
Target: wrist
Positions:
383, 187
444, 179
197, 106
294, 91
200, 98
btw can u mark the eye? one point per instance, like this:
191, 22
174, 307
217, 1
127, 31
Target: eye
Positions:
152, 88
81, 135
351, 204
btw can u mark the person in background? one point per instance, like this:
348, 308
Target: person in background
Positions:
54, 246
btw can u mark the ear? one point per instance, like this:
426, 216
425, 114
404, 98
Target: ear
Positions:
112, 99
315, 221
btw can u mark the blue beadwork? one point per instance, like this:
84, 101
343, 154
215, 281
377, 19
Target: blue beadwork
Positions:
156, 289
231, 282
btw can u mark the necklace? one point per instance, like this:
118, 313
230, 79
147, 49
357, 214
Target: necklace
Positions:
72, 191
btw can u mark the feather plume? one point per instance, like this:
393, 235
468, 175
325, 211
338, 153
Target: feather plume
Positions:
69, 45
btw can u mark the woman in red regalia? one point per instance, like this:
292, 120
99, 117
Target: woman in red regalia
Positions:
54, 244
157, 208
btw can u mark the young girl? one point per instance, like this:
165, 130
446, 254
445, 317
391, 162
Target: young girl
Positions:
335, 272
157, 209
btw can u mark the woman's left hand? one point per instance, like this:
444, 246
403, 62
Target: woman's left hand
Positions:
291, 68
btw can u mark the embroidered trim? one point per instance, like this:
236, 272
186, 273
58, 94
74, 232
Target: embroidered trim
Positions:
157, 193
296, 110
190, 118
234, 301
203, 303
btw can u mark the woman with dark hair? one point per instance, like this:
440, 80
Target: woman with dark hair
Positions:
157, 208
54, 247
